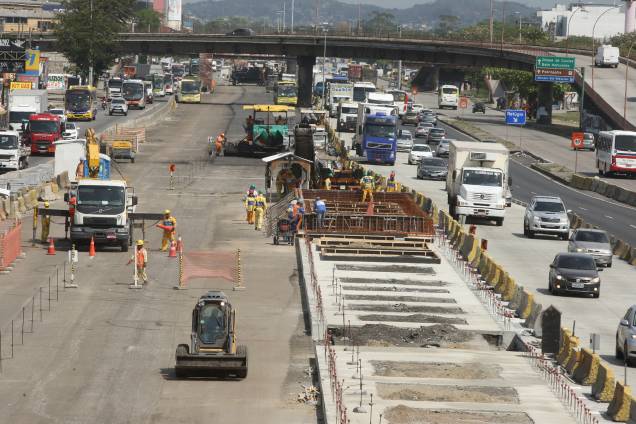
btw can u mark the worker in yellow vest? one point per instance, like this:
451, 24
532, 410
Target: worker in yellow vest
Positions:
391, 183
250, 204
259, 211
46, 225
367, 184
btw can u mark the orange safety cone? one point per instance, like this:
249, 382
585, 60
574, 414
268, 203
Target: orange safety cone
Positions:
172, 253
91, 248
51, 249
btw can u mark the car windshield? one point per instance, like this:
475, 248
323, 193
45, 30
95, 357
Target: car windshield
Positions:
549, 207
435, 131
18, 117
212, 323
482, 178
286, 91
449, 90
8, 141
443, 143
625, 142
190, 87
133, 91
349, 110
591, 236
421, 148
425, 125
398, 96
576, 262
69, 126
360, 93
45, 127
78, 102
118, 102
100, 199
385, 131
434, 162
57, 111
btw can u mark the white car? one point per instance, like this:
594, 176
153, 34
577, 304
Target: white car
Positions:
404, 141
418, 152
422, 129
417, 108
59, 112
118, 105
71, 131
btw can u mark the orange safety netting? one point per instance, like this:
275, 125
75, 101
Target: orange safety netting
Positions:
209, 264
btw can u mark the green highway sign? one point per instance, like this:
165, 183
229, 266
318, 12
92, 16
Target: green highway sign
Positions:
555, 62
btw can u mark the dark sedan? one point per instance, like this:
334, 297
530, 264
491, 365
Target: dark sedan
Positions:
432, 169
479, 107
574, 273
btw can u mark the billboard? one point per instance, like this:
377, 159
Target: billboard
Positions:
159, 6
56, 82
173, 14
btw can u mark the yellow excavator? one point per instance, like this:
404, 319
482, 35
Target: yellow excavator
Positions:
213, 350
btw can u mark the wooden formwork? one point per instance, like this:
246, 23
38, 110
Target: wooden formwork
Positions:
394, 243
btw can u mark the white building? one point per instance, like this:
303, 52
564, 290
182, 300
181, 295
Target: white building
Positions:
581, 18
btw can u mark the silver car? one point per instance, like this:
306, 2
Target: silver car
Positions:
593, 242
442, 148
423, 129
404, 142
626, 336
435, 135
546, 215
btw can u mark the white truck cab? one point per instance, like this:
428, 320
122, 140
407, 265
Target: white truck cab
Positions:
477, 181
607, 55
13, 153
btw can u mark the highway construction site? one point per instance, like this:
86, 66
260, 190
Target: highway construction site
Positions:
400, 333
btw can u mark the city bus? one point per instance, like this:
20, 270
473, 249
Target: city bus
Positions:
286, 93
80, 102
400, 100
168, 83
134, 92
616, 152
158, 86
448, 96
189, 90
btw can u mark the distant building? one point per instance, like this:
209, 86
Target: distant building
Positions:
24, 16
171, 14
581, 18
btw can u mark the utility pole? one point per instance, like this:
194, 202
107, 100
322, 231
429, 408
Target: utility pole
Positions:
284, 16
359, 21
292, 17
491, 22
90, 67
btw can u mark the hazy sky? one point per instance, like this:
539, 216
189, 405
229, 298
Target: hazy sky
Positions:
408, 3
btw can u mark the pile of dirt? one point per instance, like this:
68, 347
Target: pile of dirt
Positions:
399, 298
459, 371
387, 268
405, 415
403, 307
393, 289
419, 318
436, 335
443, 393
392, 281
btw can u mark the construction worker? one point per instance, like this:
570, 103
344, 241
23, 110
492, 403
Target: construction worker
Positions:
141, 257
251, 190
169, 227
321, 208
249, 123
219, 144
391, 183
46, 225
259, 211
327, 183
250, 205
367, 184
300, 213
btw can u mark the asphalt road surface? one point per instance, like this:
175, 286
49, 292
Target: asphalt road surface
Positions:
105, 353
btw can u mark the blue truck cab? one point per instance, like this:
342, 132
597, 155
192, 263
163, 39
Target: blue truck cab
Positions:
379, 138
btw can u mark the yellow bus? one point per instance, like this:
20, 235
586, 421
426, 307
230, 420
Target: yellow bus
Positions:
80, 102
189, 90
286, 93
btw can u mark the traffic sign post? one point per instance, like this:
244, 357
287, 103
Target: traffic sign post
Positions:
516, 117
462, 105
555, 62
554, 69
577, 144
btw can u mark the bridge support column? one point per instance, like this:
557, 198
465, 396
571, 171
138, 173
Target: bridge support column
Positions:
305, 79
291, 66
545, 98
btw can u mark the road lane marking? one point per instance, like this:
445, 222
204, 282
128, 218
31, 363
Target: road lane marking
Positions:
632, 225
582, 208
607, 216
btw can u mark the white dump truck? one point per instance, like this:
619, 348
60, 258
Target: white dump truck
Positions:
477, 181
338, 92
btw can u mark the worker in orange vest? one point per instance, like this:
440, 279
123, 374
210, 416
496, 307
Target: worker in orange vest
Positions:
141, 260
219, 144
169, 227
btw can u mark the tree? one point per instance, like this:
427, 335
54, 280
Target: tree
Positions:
87, 31
148, 20
447, 24
381, 22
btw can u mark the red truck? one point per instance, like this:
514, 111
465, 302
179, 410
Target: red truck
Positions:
42, 131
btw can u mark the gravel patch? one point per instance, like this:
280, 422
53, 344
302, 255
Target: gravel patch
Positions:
441, 393
405, 415
467, 371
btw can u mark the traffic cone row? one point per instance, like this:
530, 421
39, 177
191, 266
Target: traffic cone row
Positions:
91, 249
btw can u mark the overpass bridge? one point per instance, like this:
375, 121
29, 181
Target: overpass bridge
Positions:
607, 93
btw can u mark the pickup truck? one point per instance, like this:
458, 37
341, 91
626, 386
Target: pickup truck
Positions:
13, 153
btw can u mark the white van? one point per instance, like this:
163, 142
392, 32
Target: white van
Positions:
607, 55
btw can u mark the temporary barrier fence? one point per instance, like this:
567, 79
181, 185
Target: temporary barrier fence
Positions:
10, 242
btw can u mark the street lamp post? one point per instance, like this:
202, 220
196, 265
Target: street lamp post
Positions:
594, 29
519, 13
629, 52
324, 61
567, 30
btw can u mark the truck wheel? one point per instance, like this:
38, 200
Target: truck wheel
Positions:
241, 352
132, 160
124, 246
499, 222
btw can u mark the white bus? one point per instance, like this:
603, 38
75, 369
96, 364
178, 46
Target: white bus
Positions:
360, 90
616, 152
448, 96
400, 100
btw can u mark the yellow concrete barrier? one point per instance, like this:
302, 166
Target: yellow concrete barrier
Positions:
603, 387
620, 404
510, 289
573, 361
587, 370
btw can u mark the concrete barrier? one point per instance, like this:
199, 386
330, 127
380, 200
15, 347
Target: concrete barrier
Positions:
525, 305
603, 387
500, 283
602, 187
587, 371
515, 302
611, 191
573, 361
621, 403
533, 317
569, 346
509, 292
